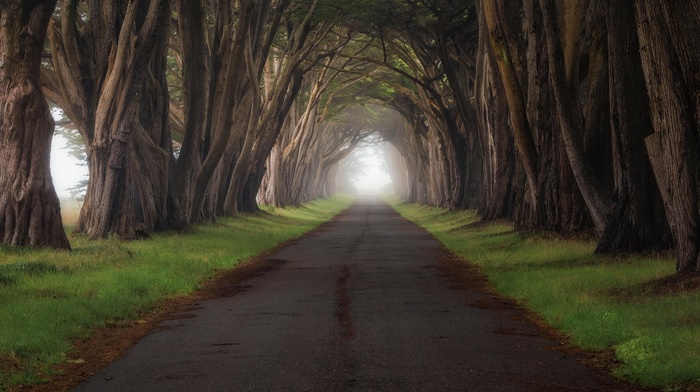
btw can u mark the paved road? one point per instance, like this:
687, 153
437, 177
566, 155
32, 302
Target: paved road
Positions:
357, 305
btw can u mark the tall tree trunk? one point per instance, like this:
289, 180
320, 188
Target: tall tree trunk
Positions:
472, 187
224, 101
138, 179
497, 144
456, 54
600, 207
196, 74
638, 221
131, 186
29, 208
269, 109
668, 32
494, 12
112, 85
552, 200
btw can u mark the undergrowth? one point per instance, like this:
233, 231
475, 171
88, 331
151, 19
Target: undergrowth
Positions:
50, 298
596, 300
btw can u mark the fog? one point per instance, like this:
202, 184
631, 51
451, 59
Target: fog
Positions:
374, 178
365, 171
67, 171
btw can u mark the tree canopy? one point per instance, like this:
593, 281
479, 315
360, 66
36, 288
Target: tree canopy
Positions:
562, 116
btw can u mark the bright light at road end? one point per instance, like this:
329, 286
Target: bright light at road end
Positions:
373, 178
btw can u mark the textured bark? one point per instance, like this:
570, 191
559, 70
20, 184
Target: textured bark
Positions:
269, 108
225, 99
495, 136
298, 152
439, 52
472, 197
112, 85
298, 169
29, 208
446, 145
670, 60
638, 222
600, 207
524, 140
450, 148
552, 200
456, 47
196, 74
243, 118
594, 93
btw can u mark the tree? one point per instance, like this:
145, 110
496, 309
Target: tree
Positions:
269, 106
215, 90
319, 131
496, 138
29, 207
561, 70
494, 15
551, 199
108, 75
670, 56
638, 221
251, 83
409, 140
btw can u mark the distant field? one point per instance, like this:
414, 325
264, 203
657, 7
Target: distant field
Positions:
70, 211
50, 298
602, 303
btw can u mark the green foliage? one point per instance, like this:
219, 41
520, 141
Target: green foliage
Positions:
654, 336
49, 298
360, 14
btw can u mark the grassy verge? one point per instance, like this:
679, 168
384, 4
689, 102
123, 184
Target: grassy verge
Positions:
595, 300
49, 298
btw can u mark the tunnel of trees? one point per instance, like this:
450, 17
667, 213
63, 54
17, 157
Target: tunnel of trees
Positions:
559, 115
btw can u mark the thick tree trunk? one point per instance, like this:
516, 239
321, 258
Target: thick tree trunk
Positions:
111, 83
131, 188
29, 208
494, 11
266, 122
638, 221
447, 149
196, 74
594, 91
557, 203
600, 207
670, 52
225, 99
247, 201
497, 144
472, 194
456, 52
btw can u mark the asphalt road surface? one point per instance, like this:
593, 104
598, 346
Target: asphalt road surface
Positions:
358, 305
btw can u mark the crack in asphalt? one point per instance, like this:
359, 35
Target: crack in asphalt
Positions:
343, 304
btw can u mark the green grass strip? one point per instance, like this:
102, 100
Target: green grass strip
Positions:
656, 337
49, 298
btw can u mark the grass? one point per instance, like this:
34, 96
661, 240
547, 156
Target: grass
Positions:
70, 211
50, 298
593, 299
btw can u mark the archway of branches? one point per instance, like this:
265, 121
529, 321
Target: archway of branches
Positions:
560, 116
